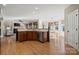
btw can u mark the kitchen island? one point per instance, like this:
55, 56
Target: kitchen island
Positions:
32, 35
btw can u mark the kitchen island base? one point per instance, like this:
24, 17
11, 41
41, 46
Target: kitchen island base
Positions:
41, 36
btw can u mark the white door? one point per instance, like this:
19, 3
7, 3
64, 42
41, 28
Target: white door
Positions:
69, 29
73, 29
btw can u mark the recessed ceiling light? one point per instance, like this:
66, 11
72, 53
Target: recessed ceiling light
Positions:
4, 4
36, 8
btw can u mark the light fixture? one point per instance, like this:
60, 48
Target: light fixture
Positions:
4, 4
36, 8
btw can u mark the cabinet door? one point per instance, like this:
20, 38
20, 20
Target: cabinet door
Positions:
30, 37
24, 36
45, 36
34, 35
21, 36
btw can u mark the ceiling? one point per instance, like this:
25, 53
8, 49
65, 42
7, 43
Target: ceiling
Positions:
33, 11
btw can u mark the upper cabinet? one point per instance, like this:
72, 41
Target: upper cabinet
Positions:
35, 25
32, 25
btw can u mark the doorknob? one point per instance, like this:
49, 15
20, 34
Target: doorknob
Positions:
76, 29
68, 31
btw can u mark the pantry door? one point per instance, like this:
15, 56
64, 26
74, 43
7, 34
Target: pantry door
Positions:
72, 28
69, 29
75, 29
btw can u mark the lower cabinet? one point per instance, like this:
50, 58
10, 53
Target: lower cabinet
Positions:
45, 36
32, 36
22, 36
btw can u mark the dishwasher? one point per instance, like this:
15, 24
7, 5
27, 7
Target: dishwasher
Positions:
40, 36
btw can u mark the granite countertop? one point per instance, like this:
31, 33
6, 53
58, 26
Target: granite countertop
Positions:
32, 30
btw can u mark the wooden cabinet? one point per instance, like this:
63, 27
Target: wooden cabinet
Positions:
26, 35
22, 36
45, 36
32, 36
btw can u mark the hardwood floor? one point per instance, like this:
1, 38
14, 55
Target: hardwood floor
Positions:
8, 46
56, 46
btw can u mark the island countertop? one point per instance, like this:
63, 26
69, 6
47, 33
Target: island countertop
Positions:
42, 30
